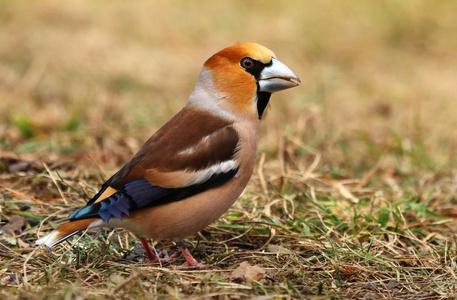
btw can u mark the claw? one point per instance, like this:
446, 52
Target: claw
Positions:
190, 260
154, 258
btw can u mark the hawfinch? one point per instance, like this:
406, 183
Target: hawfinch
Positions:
192, 169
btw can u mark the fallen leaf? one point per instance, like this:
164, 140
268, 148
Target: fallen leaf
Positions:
279, 249
247, 272
22, 244
15, 223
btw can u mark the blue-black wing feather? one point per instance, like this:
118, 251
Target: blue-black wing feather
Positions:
140, 194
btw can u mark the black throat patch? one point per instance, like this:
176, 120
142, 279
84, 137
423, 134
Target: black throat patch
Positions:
262, 102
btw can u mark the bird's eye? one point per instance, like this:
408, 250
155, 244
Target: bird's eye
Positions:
247, 63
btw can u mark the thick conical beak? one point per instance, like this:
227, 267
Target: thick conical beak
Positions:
277, 77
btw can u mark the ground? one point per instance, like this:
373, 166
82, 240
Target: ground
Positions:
354, 191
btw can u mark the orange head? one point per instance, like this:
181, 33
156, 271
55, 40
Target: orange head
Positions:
242, 78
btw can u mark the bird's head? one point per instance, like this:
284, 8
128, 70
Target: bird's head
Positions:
243, 77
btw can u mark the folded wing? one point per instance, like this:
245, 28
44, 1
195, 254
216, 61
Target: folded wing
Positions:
195, 151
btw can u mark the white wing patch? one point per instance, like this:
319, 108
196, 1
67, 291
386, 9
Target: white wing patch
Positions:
204, 175
193, 149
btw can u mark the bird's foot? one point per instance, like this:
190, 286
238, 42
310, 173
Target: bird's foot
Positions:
191, 262
167, 259
157, 258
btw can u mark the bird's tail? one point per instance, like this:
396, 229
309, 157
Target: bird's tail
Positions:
65, 231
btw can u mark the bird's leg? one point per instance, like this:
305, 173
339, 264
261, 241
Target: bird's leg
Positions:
190, 260
152, 257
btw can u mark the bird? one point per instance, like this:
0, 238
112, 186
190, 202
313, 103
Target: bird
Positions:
191, 171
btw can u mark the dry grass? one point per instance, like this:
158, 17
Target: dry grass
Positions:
354, 196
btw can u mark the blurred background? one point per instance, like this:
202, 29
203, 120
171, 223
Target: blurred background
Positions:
90, 81
357, 165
